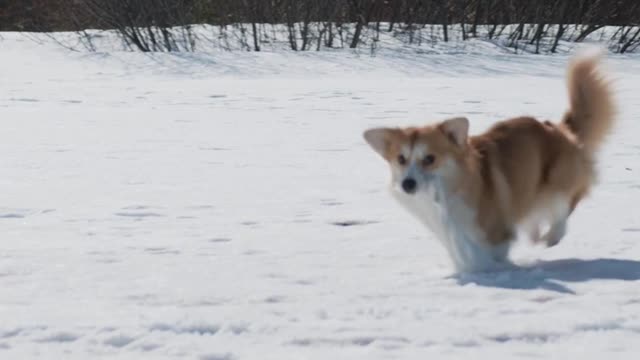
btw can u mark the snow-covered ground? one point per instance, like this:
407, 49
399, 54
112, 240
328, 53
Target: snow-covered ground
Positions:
224, 206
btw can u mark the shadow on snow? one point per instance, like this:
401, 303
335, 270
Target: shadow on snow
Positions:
552, 275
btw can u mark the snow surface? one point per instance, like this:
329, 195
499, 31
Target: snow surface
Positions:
223, 206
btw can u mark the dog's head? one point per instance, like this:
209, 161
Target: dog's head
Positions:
417, 156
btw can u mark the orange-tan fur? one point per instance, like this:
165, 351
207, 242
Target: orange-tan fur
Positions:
518, 168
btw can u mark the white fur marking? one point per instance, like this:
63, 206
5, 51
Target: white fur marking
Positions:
552, 213
453, 223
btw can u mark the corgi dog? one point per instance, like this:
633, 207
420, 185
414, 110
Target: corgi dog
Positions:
476, 192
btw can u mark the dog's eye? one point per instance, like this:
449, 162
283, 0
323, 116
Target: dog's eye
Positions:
428, 160
401, 159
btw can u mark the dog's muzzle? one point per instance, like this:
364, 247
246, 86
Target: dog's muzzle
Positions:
409, 185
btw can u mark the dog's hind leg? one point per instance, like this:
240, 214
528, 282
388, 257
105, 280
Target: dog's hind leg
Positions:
560, 210
556, 232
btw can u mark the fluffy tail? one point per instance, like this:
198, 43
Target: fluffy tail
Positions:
592, 111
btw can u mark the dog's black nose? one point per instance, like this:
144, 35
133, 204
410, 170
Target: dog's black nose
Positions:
409, 185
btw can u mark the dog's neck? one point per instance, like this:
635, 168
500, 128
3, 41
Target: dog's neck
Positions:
445, 211
466, 177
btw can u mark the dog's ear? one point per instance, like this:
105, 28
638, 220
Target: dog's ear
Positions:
380, 139
456, 129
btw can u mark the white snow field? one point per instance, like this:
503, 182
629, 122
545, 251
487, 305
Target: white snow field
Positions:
224, 206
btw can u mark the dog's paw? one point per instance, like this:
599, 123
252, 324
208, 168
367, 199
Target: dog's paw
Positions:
552, 237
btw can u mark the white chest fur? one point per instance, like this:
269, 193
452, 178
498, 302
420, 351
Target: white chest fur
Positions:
453, 222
